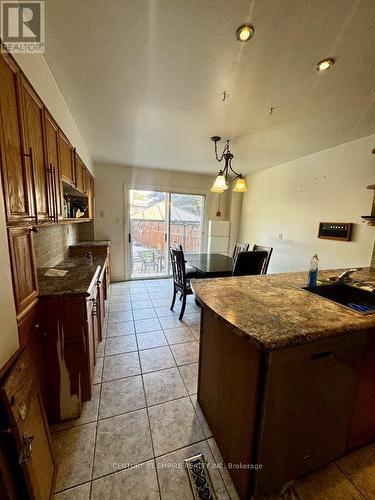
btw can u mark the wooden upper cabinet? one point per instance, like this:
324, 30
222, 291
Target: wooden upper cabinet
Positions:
52, 146
33, 119
25, 284
16, 174
80, 174
66, 160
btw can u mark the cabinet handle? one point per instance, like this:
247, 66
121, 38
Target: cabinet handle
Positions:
37, 326
26, 449
30, 155
34, 230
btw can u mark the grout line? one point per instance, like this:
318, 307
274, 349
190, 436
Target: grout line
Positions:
148, 419
349, 479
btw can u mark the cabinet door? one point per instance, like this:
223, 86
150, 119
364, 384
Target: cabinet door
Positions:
23, 402
80, 174
52, 144
25, 285
33, 120
16, 175
66, 160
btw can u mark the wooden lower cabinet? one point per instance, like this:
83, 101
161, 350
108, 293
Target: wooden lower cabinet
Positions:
25, 284
71, 332
22, 401
362, 425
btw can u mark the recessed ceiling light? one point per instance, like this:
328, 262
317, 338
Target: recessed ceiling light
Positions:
325, 64
245, 32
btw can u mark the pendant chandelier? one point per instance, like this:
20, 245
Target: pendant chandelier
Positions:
224, 177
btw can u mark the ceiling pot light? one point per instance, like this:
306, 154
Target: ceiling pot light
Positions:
325, 64
245, 32
223, 179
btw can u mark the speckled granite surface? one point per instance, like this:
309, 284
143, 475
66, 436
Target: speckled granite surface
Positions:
274, 314
78, 280
97, 243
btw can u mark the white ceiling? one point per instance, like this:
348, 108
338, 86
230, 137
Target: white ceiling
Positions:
144, 78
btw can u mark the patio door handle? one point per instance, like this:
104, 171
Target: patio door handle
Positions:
165, 237
130, 238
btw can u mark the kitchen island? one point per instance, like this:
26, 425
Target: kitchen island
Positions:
286, 378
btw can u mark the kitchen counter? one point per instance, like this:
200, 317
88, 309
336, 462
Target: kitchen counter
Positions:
96, 243
274, 314
78, 280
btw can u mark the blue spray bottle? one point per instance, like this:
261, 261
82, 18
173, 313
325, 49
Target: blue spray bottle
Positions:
313, 271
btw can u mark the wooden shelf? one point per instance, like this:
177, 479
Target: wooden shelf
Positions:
75, 221
371, 186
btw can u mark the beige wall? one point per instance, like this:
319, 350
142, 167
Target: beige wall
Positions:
37, 71
293, 198
8, 332
111, 182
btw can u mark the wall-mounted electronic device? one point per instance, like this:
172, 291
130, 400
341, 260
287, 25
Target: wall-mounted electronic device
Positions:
341, 231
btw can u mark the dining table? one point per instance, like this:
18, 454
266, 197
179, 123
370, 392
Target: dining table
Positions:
210, 265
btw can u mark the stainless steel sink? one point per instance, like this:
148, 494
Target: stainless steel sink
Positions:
354, 298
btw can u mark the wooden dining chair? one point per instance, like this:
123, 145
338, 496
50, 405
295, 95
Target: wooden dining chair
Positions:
269, 250
249, 263
239, 247
180, 282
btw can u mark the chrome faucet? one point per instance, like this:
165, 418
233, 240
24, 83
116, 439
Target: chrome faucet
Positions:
346, 275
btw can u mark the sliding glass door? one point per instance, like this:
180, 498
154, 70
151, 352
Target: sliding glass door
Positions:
157, 220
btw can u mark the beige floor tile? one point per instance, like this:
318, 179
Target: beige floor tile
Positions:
163, 386
120, 396
89, 412
147, 325
144, 313
189, 375
196, 331
118, 345
74, 449
120, 298
192, 319
202, 419
78, 493
174, 425
360, 468
165, 311
172, 321
122, 441
123, 328
98, 370
231, 489
121, 366
178, 335
141, 304
150, 340
120, 306
119, 316
326, 483
137, 483
162, 302
173, 478
186, 353
156, 359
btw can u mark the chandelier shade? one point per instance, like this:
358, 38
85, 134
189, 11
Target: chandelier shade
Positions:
220, 185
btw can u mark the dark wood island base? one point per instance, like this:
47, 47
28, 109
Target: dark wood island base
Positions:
278, 413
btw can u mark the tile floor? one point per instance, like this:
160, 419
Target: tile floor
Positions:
144, 420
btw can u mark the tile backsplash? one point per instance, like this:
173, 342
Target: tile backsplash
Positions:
51, 243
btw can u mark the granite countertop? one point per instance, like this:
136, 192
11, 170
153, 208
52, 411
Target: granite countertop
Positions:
275, 314
78, 280
97, 243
